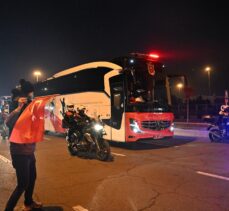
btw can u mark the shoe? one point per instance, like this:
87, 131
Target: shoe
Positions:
34, 205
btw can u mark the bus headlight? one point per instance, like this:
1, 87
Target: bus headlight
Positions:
98, 127
172, 127
134, 126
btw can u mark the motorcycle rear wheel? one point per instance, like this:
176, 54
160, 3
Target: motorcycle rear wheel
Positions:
104, 153
215, 135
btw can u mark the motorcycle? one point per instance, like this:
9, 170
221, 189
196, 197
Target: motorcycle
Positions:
219, 130
85, 135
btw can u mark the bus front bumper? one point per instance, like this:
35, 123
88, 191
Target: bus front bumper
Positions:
133, 137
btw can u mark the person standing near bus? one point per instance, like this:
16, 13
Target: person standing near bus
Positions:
23, 159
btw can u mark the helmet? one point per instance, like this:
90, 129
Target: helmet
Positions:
81, 110
70, 107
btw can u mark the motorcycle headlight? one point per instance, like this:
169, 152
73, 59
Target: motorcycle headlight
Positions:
98, 127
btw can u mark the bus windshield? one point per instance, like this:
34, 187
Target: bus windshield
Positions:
146, 86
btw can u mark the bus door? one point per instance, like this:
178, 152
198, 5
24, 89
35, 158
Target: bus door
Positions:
117, 109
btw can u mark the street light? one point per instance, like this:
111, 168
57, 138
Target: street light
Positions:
37, 73
180, 86
208, 70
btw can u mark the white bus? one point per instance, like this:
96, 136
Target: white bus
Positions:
131, 94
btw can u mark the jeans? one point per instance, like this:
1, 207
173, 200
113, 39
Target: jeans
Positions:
25, 166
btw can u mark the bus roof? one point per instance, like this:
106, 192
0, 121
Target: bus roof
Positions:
87, 66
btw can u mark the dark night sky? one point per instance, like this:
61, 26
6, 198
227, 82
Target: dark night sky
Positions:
55, 35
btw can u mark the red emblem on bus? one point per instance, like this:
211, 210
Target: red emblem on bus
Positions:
151, 69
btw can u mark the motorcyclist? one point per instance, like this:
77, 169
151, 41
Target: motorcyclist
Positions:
70, 116
224, 110
223, 119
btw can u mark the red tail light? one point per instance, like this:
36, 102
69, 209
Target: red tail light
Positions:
154, 56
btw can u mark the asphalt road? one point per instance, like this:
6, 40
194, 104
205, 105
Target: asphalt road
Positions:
168, 175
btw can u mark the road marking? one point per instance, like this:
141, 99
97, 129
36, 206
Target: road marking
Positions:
122, 155
46, 138
213, 175
79, 208
4, 159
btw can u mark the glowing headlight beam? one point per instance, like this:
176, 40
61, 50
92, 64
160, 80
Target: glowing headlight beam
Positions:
98, 127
